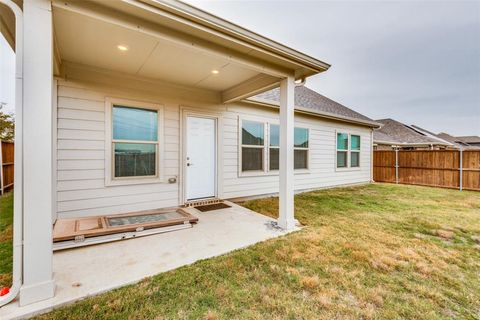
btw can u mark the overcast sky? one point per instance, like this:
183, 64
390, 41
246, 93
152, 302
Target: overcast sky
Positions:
416, 62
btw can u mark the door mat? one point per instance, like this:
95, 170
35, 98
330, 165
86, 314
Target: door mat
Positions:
211, 207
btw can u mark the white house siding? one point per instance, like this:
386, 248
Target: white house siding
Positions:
322, 171
81, 189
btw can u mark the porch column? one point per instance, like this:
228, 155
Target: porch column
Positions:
37, 152
286, 218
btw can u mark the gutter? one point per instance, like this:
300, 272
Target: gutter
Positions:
17, 280
320, 114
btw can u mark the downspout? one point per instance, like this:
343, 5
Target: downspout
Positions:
18, 175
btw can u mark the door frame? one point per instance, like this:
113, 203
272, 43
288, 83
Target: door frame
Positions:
209, 114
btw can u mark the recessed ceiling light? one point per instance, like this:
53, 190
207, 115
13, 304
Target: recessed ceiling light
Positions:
215, 71
122, 48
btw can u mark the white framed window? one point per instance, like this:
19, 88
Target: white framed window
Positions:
347, 150
252, 146
301, 148
134, 142
260, 147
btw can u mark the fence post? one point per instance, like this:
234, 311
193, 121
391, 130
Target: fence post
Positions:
396, 165
461, 169
1, 168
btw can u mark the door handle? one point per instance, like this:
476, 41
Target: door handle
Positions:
189, 164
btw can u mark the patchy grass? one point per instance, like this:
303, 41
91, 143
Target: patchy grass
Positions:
377, 251
6, 245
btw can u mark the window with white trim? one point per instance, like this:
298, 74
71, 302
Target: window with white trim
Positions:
354, 151
253, 145
301, 140
260, 144
134, 142
348, 150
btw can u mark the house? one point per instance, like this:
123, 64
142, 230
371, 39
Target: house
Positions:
396, 135
126, 106
465, 142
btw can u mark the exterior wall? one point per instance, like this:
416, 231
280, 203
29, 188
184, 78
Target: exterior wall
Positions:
81, 189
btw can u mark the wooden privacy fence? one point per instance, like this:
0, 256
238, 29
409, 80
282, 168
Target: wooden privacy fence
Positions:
6, 165
437, 168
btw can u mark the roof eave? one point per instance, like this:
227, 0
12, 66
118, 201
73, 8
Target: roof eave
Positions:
269, 46
327, 115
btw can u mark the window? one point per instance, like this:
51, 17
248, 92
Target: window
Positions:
348, 150
261, 147
134, 142
301, 148
274, 147
253, 144
354, 151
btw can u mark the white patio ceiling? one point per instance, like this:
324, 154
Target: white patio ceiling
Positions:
93, 42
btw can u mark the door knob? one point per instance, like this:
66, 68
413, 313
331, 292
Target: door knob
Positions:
189, 164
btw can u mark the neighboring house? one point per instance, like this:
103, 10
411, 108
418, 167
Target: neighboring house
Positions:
465, 142
139, 105
396, 135
473, 141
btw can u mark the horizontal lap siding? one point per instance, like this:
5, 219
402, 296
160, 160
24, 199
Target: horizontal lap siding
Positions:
81, 189
322, 173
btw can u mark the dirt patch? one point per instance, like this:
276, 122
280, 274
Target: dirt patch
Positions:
445, 234
310, 282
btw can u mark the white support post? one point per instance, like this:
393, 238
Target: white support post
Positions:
286, 218
38, 281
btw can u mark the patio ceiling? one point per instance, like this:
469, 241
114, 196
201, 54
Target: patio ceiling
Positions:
173, 42
93, 42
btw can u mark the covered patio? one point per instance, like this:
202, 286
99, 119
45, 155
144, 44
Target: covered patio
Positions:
87, 271
150, 49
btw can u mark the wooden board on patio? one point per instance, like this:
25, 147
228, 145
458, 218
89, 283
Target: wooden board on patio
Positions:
70, 229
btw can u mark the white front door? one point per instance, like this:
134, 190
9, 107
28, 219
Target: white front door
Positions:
201, 154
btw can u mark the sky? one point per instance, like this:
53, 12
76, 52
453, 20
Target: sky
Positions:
414, 61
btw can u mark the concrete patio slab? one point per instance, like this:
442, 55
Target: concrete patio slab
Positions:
87, 271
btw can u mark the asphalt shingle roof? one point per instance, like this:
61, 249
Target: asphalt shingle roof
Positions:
313, 101
394, 131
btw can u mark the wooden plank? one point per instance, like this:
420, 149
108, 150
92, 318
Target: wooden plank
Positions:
68, 229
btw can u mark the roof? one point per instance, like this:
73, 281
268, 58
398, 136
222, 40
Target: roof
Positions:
457, 141
309, 101
395, 132
469, 139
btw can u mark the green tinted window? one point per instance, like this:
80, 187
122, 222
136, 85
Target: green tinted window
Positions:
301, 138
342, 141
355, 142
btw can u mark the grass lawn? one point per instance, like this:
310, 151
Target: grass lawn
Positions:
6, 245
377, 251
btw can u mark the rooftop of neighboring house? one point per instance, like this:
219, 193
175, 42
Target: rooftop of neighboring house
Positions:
395, 132
466, 142
307, 100
469, 139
